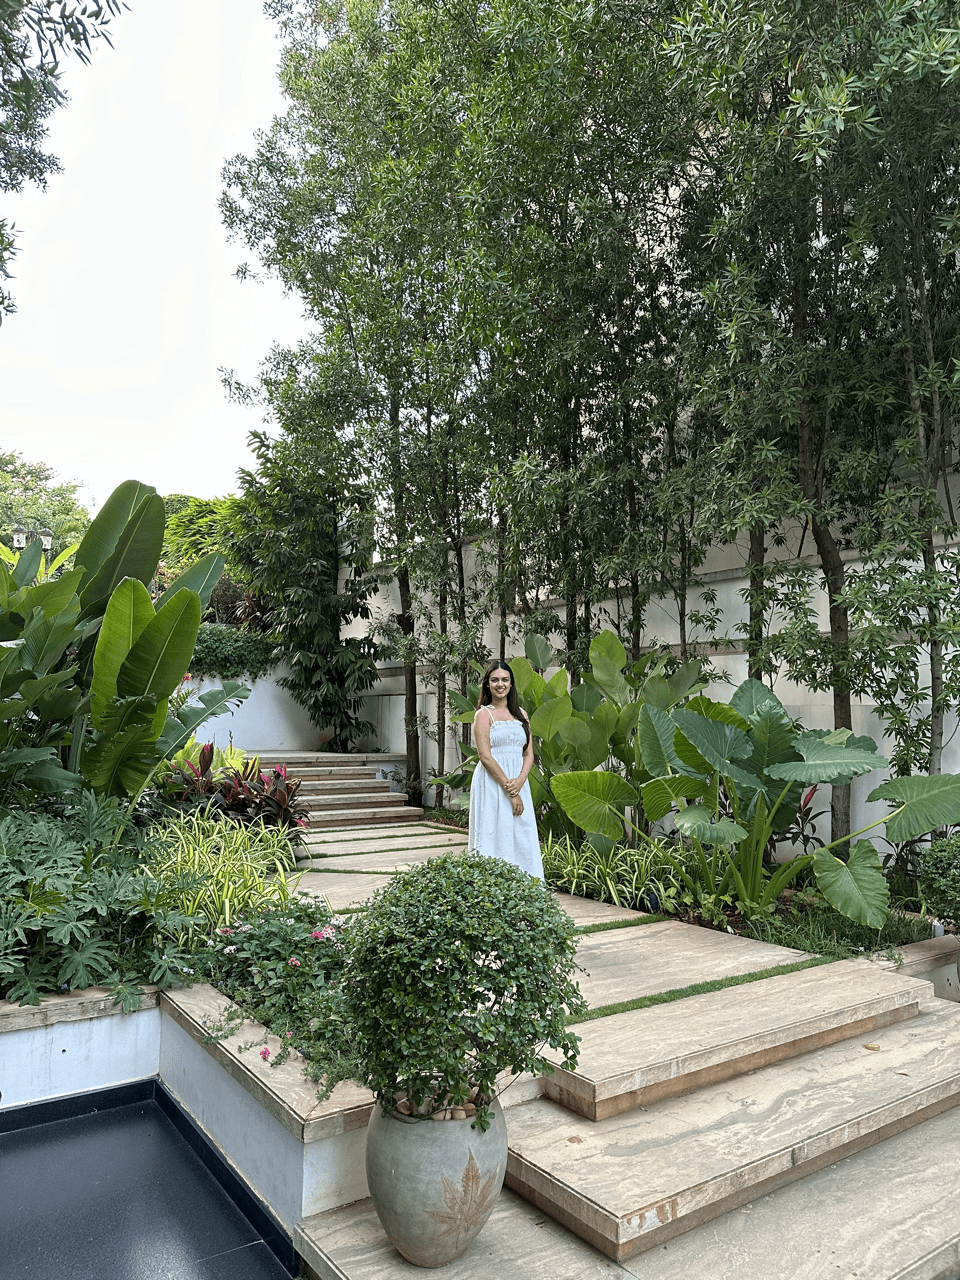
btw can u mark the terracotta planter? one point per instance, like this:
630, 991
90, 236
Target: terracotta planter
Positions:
434, 1183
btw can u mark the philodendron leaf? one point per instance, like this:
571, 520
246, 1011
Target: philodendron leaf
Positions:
549, 716
716, 742
608, 658
586, 698
574, 733
826, 761
655, 733
594, 800
928, 803
721, 711
857, 887
538, 650
663, 794
697, 823
750, 696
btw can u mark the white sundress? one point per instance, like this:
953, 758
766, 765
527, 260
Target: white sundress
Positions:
494, 831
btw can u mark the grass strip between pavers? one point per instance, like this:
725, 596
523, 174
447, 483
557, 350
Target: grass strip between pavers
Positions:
699, 989
340, 871
433, 849
601, 926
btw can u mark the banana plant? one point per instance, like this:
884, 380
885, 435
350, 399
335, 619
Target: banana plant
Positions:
732, 775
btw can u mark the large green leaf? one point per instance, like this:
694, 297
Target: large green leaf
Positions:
159, 658
697, 823
655, 734
101, 538
124, 753
663, 794
46, 637
655, 692
558, 683
202, 578
750, 696
538, 650
179, 729
28, 563
549, 716
928, 803
685, 679
586, 698
51, 597
530, 684
607, 659
135, 555
857, 887
826, 761
720, 711
773, 736
574, 732
718, 743
594, 800
128, 612
597, 749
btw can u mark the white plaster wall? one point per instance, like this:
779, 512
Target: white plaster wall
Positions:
76, 1057
269, 720
265, 1154
335, 1171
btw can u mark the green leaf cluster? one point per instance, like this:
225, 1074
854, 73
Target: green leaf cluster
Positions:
231, 653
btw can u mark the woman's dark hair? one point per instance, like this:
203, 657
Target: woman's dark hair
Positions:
513, 702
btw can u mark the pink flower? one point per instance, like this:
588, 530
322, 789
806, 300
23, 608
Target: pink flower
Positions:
294, 961
325, 932
289, 1033
264, 1054
226, 931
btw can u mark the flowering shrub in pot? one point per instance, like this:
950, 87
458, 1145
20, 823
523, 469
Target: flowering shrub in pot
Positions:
460, 970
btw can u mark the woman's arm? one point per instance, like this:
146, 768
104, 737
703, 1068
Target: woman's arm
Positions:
481, 740
515, 785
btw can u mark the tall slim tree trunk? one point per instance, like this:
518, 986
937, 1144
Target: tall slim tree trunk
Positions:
831, 564
410, 716
442, 626
755, 600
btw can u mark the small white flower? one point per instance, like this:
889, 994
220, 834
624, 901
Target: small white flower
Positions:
227, 951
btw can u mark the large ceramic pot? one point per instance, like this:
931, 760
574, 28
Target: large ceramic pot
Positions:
434, 1182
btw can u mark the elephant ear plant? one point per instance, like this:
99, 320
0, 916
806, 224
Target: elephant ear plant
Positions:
732, 775
459, 970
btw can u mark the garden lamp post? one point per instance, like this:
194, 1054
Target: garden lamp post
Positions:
22, 536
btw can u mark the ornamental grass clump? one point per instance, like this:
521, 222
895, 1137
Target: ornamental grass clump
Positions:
459, 970
220, 870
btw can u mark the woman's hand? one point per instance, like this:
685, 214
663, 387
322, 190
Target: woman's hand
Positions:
513, 787
517, 804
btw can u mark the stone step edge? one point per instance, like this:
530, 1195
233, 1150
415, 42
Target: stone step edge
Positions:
351, 818
669, 1076
386, 799
651, 1225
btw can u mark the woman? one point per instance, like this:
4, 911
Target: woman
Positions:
502, 821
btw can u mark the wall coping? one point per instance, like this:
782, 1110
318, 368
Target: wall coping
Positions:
922, 957
72, 1006
283, 1091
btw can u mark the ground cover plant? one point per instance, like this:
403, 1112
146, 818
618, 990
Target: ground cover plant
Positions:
80, 907
242, 793
219, 870
281, 965
644, 878
805, 921
938, 881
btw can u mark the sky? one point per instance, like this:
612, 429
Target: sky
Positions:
124, 282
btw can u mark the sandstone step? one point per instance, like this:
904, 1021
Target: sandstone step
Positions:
344, 799
386, 860
632, 1059
885, 1213
333, 759
636, 1180
333, 819
317, 773
325, 786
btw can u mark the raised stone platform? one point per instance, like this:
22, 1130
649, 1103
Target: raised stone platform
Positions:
634, 1181
631, 1059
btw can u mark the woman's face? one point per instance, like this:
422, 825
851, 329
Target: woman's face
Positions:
499, 682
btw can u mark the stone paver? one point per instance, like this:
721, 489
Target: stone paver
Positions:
342, 891
622, 964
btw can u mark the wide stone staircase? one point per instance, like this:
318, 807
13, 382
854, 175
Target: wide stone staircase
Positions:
761, 1131
345, 790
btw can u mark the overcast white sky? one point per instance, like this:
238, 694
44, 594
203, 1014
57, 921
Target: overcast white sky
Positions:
127, 303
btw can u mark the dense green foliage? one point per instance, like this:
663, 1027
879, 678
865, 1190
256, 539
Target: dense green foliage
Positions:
807, 923
231, 654
644, 877
30, 496
939, 879
79, 907
460, 969
281, 966
218, 871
